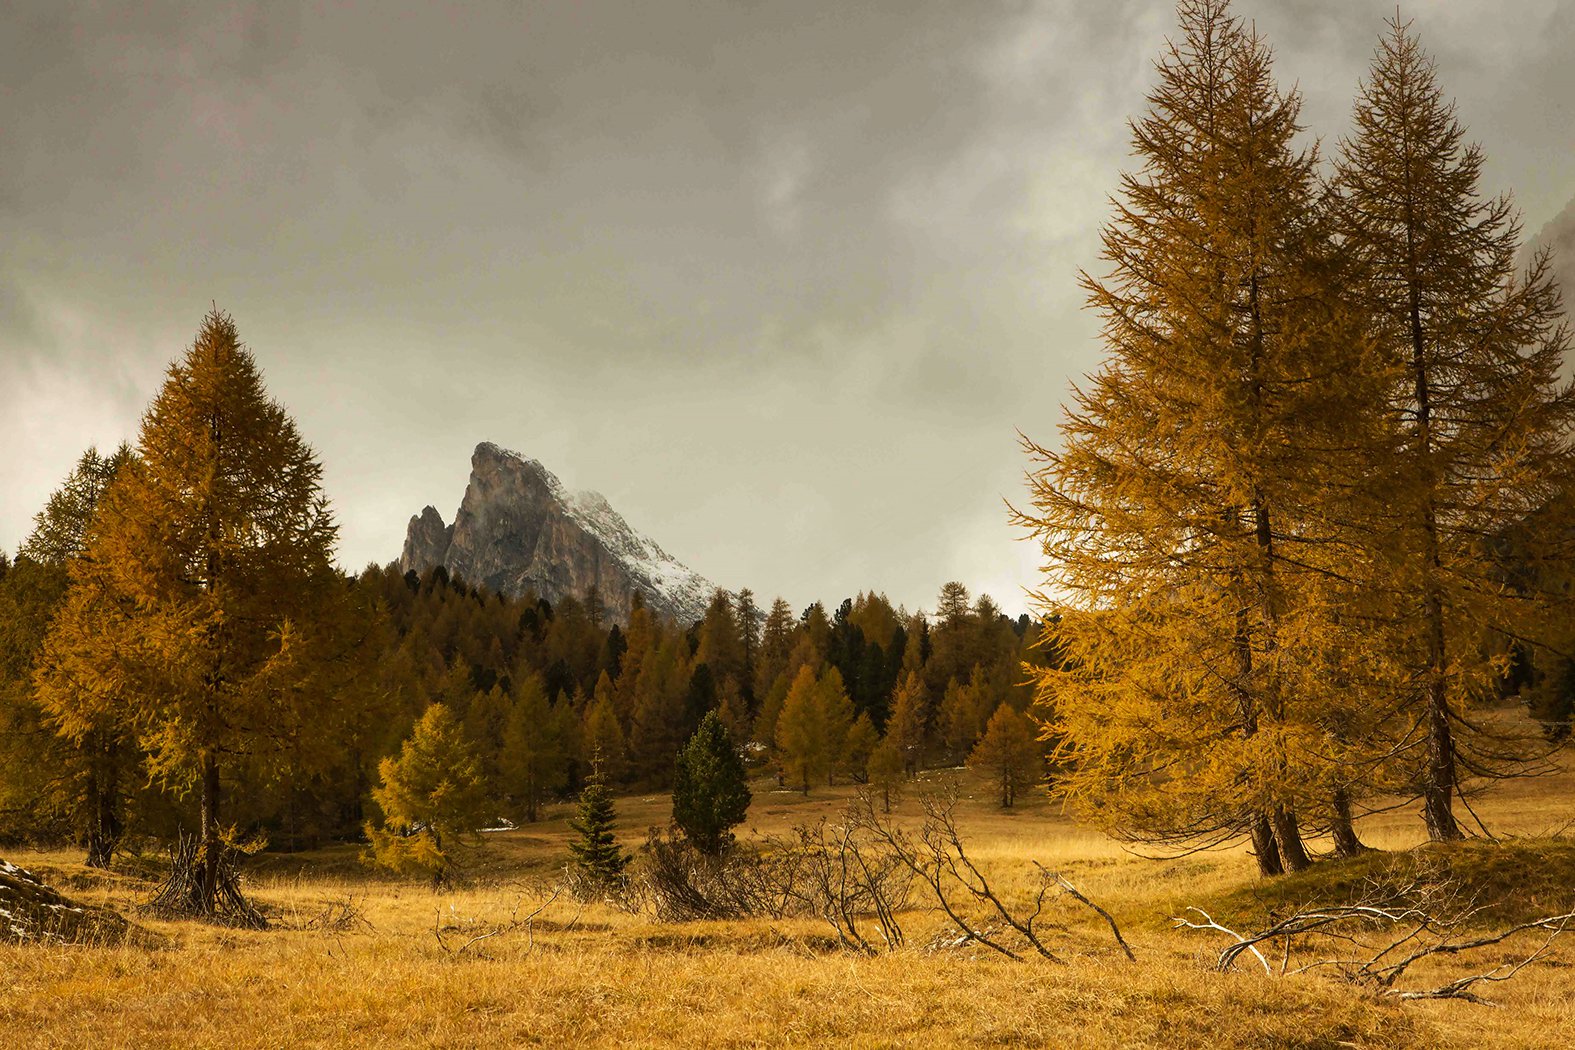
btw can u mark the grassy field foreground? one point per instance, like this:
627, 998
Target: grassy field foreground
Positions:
355, 959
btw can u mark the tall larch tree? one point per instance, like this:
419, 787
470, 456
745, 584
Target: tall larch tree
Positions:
203, 569
60, 530
1483, 424
534, 760
802, 736
909, 721
721, 641
600, 732
885, 772
1177, 518
1009, 755
750, 621
96, 764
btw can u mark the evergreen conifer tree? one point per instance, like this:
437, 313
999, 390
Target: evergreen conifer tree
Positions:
598, 859
710, 788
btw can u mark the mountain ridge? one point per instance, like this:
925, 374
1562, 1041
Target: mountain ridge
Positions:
518, 529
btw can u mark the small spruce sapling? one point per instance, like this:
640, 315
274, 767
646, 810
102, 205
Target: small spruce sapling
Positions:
599, 861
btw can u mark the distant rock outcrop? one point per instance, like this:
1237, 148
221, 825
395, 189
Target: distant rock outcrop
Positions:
517, 531
426, 540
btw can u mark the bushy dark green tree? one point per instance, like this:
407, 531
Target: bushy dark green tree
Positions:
710, 787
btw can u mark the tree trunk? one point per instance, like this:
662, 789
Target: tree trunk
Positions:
209, 887
1293, 854
1346, 844
440, 872
99, 848
1264, 848
104, 825
1439, 789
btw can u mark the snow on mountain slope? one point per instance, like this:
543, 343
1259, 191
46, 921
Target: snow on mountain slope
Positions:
518, 530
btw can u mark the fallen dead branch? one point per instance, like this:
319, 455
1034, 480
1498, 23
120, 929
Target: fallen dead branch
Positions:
1376, 941
340, 915
859, 876
457, 939
938, 857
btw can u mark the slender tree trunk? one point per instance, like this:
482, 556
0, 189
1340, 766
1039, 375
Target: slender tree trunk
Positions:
1287, 835
1346, 844
99, 848
1439, 788
104, 825
210, 834
1263, 845
1279, 829
1439, 785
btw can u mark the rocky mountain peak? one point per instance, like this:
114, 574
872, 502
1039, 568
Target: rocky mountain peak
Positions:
519, 530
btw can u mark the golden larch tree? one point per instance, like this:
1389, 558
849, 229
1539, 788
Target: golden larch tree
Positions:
1187, 514
1482, 422
203, 571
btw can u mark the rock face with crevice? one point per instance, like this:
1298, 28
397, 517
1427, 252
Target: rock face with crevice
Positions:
519, 531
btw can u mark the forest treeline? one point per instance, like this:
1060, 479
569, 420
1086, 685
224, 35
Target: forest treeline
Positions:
1315, 506
541, 691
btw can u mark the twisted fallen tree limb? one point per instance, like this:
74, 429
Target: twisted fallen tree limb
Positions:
939, 859
1383, 940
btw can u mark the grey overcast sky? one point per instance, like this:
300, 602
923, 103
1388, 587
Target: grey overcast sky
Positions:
781, 279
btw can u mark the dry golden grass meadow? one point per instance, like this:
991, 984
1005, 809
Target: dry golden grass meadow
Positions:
594, 975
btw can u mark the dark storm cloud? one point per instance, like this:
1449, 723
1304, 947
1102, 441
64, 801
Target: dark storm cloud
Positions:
780, 278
